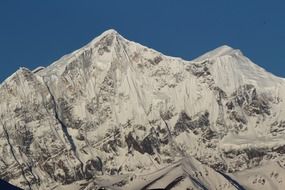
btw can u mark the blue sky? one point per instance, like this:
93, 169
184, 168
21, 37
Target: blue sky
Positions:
38, 32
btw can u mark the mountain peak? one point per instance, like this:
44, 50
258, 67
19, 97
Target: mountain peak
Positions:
219, 52
223, 48
104, 39
110, 32
107, 33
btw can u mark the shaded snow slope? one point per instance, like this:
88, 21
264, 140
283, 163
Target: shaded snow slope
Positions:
186, 173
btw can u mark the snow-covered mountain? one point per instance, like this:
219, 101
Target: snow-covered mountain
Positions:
119, 115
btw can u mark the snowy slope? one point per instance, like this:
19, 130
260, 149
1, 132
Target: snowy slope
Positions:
268, 176
116, 108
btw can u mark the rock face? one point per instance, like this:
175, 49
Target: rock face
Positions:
115, 107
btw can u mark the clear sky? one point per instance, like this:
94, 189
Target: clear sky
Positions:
37, 32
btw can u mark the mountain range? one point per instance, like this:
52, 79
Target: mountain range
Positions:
117, 115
